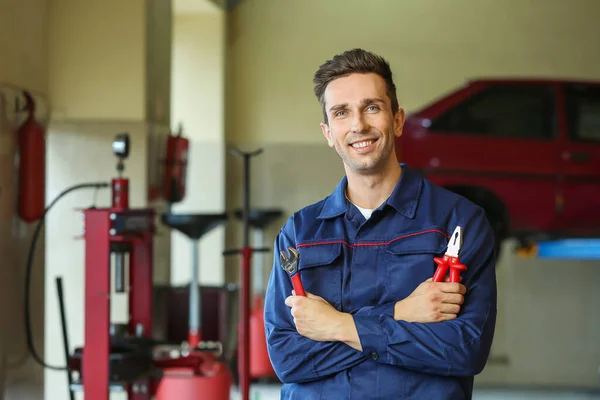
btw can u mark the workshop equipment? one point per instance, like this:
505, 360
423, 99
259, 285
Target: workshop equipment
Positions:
125, 356
194, 227
450, 260
260, 364
198, 371
290, 265
243, 354
122, 360
31, 139
218, 313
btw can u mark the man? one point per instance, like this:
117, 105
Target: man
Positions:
373, 325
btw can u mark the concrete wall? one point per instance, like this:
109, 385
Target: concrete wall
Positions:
548, 334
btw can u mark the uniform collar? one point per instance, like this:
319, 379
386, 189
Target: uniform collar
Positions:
404, 199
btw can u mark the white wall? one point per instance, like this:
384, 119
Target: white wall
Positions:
98, 57
198, 104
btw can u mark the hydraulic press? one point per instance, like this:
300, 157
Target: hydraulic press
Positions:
118, 247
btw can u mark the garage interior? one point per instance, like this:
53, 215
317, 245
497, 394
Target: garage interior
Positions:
237, 74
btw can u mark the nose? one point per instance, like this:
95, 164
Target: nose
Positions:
359, 124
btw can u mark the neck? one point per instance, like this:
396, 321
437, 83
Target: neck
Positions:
370, 191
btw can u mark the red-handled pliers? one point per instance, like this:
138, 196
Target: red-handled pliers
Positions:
290, 265
451, 260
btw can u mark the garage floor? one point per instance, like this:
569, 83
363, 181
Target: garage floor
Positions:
271, 392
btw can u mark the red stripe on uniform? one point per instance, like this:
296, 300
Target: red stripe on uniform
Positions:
372, 244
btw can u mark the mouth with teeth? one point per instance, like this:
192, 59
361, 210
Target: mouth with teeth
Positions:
364, 146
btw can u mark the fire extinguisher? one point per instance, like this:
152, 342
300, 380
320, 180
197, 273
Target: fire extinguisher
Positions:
175, 167
31, 142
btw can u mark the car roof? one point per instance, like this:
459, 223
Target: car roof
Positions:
484, 81
525, 79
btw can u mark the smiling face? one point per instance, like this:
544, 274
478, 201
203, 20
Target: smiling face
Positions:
361, 125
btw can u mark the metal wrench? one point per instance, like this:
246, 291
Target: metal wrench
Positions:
290, 265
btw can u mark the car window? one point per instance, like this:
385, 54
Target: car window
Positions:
512, 111
583, 112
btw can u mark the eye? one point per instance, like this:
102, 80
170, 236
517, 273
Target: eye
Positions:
340, 113
372, 107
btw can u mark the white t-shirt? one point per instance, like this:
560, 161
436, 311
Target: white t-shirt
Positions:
365, 211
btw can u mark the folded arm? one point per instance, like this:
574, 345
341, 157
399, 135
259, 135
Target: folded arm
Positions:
458, 347
294, 357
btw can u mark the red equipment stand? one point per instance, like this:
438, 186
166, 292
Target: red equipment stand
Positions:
121, 237
260, 366
117, 231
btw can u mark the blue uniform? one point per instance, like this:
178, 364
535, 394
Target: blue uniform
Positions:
363, 267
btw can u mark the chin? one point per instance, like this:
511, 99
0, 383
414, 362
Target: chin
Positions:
369, 167
366, 164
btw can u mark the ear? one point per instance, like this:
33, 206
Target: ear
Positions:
327, 134
399, 122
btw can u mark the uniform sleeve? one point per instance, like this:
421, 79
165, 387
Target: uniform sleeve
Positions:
381, 309
458, 347
294, 357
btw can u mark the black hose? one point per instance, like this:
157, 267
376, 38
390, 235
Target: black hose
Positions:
38, 228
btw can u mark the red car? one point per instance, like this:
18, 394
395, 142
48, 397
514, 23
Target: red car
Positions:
527, 151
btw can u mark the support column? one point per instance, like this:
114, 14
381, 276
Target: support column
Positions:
198, 104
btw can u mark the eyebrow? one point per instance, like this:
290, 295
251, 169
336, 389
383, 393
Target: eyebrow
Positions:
338, 107
371, 101
363, 102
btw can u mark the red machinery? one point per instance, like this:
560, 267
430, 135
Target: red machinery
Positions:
123, 359
125, 356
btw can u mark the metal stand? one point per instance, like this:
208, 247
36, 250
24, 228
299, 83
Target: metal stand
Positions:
245, 280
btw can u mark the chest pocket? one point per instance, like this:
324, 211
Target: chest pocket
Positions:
409, 261
321, 267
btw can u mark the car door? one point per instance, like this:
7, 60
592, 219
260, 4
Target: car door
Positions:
580, 159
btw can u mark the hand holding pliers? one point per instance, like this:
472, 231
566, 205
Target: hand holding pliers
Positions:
450, 260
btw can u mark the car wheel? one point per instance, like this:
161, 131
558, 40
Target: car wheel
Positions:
499, 228
495, 212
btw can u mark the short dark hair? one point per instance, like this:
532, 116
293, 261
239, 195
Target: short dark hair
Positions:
354, 61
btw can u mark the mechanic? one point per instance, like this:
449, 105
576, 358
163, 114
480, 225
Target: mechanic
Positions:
372, 324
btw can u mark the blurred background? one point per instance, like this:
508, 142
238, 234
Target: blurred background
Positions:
512, 83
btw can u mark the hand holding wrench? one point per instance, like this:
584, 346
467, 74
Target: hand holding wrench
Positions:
290, 265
